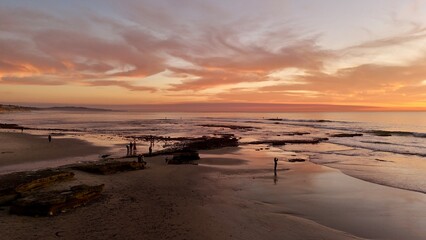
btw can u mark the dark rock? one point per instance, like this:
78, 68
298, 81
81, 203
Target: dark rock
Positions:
381, 133
306, 141
233, 127
17, 184
11, 126
346, 135
184, 157
381, 160
324, 121
109, 167
54, 202
280, 119
200, 143
206, 143
289, 141
295, 133
296, 160
278, 143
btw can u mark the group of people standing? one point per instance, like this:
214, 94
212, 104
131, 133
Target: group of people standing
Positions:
131, 148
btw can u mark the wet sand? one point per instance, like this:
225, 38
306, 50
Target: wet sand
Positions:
323, 195
232, 194
164, 202
23, 150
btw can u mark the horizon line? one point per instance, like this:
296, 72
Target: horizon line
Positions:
231, 107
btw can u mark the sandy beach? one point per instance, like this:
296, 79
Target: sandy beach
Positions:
18, 151
223, 197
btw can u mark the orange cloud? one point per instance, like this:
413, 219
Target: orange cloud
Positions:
206, 60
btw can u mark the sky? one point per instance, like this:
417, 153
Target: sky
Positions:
130, 52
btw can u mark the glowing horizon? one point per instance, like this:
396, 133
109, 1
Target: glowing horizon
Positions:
357, 53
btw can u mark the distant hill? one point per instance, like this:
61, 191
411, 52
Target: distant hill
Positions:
75, 109
15, 108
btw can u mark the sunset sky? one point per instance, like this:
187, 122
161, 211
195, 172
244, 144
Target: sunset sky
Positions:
353, 52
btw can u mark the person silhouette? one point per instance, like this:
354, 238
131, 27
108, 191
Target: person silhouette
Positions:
141, 159
128, 152
49, 138
275, 166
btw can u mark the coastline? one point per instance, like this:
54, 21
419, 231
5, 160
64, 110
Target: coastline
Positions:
231, 194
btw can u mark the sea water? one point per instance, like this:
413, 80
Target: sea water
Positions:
391, 150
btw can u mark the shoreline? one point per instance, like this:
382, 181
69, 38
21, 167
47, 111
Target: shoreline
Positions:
230, 194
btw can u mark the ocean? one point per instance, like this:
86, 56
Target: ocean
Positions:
390, 148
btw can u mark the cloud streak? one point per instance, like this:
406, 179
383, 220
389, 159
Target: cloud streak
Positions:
208, 53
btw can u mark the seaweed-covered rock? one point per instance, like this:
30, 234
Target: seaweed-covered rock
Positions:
206, 143
110, 167
17, 184
184, 157
54, 202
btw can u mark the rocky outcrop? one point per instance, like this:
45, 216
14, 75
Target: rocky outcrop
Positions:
18, 184
233, 127
11, 126
207, 143
342, 135
182, 144
184, 157
295, 133
55, 202
27, 194
383, 133
293, 160
109, 167
289, 141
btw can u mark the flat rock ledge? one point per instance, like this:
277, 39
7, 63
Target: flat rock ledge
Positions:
19, 184
342, 135
184, 158
109, 167
52, 203
293, 160
289, 141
